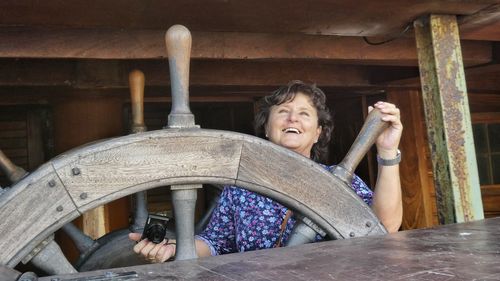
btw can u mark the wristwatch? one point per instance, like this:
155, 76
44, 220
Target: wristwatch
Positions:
389, 162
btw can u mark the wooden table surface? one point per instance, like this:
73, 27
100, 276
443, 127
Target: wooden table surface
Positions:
469, 251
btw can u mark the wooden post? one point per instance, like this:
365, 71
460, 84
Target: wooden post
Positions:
448, 119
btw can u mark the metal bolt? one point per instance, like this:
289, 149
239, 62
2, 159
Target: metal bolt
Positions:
59, 208
75, 171
352, 234
368, 224
52, 183
83, 195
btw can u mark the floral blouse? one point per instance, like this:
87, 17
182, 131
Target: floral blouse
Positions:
246, 221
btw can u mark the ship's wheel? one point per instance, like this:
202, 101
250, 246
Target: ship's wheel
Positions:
183, 157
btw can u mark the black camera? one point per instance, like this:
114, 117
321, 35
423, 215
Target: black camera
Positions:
155, 229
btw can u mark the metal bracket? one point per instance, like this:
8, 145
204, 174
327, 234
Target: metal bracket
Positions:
304, 232
314, 226
186, 186
38, 249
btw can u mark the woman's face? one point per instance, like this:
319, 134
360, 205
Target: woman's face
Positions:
294, 125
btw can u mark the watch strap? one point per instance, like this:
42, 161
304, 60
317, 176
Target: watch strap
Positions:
389, 162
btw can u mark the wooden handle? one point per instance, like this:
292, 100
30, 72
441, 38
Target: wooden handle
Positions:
13, 172
136, 82
372, 128
178, 42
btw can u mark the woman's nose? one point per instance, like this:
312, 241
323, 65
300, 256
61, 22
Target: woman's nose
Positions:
292, 116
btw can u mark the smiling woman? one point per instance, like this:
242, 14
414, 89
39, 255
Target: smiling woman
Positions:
296, 117
298, 108
294, 125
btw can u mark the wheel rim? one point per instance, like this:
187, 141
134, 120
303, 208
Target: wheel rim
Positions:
134, 163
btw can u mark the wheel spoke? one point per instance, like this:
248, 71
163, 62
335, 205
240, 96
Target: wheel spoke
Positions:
140, 213
178, 42
52, 260
184, 203
82, 242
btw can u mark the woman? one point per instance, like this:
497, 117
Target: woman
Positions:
295, 117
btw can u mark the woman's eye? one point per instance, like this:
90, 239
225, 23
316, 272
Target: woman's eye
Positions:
304, 113
282, 110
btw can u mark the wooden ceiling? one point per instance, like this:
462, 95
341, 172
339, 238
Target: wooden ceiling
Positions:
267, 42
326, 17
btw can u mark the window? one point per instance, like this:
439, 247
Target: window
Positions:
487, 143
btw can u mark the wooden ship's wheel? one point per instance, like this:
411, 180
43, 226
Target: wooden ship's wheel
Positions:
182, 156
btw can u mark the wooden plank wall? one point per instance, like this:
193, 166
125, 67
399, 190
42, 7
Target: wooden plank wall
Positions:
419, 197
416, 170
24, 136
78, 121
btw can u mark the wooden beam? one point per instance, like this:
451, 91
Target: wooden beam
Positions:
448, 119
100, 43
487, 82
114, 74
106, 74
490, 14
481, 103
483, 78
348, 18
481, 25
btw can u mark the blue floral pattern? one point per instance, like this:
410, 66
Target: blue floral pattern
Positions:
246, 221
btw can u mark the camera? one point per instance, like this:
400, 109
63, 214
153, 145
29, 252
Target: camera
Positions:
155, 229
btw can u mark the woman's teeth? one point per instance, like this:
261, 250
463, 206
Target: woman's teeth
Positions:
291, 130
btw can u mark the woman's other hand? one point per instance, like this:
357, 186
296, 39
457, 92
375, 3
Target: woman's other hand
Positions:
388, 142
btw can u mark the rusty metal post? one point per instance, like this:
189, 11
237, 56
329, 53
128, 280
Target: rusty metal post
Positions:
448, 119
178, 42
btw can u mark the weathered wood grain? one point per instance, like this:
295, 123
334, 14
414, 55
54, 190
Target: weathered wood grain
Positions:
30, 211
452, 252
304, 185
113, 169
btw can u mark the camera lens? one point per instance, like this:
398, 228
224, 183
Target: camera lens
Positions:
156, 232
